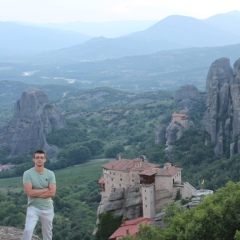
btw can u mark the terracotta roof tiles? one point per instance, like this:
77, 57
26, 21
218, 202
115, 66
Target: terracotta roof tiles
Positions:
130, 227
126, 165
170, 171
101, 180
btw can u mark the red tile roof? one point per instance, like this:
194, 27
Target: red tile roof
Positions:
101, 180
126, 165
149, 172
179, 115
130, 227
169, 171
2, 167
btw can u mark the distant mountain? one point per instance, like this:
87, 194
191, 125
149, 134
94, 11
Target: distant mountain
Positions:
188, 32
104, 29
105, 48
173, 32
21, 39
226, 22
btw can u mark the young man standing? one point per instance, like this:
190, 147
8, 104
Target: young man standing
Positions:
40, 186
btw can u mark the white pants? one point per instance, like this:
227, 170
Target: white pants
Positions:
33, 215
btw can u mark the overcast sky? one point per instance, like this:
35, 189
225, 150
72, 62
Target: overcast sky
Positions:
46, 11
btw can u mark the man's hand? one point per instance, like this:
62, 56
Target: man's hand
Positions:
42, 193
50, 193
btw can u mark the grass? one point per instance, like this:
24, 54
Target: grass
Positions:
80, 173
71, 175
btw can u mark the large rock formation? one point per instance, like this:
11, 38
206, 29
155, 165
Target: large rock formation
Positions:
127, 204
222, 117
124, 203
34, 117
180, 123
186, 97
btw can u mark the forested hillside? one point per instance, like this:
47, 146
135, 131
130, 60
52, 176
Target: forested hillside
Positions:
216, 218
105, 123
75, 203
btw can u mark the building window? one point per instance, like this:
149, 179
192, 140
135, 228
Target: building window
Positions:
120, 179
119, 185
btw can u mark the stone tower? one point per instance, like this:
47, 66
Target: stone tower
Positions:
147, 180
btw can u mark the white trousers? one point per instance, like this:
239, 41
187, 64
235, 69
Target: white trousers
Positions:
33, 215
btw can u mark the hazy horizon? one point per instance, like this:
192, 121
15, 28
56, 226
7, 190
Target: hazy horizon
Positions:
65, 11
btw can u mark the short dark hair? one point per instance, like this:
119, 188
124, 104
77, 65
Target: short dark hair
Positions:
40, 152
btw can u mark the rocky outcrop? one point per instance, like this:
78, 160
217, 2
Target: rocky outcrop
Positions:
173, 132
160, 134
186, 97
11, 233
126, 203
34, 117
222, 117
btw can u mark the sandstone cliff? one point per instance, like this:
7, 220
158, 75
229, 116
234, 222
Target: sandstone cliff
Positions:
222, 117
34, 117
185, 98
124, 203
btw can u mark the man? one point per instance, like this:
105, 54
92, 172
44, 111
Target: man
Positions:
40, 186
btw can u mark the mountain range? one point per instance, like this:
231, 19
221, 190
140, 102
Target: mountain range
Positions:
172, 32
20, 39
105, 29
175, 51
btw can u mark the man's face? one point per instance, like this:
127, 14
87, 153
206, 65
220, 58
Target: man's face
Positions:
39, 159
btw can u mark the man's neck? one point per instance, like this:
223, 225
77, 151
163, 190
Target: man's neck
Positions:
39, 169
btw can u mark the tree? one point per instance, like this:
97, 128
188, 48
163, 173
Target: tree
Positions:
74, 153
95, 146
108, 224
217, 217
114, 150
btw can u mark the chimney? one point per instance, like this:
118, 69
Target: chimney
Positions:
137, 163
167, 165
